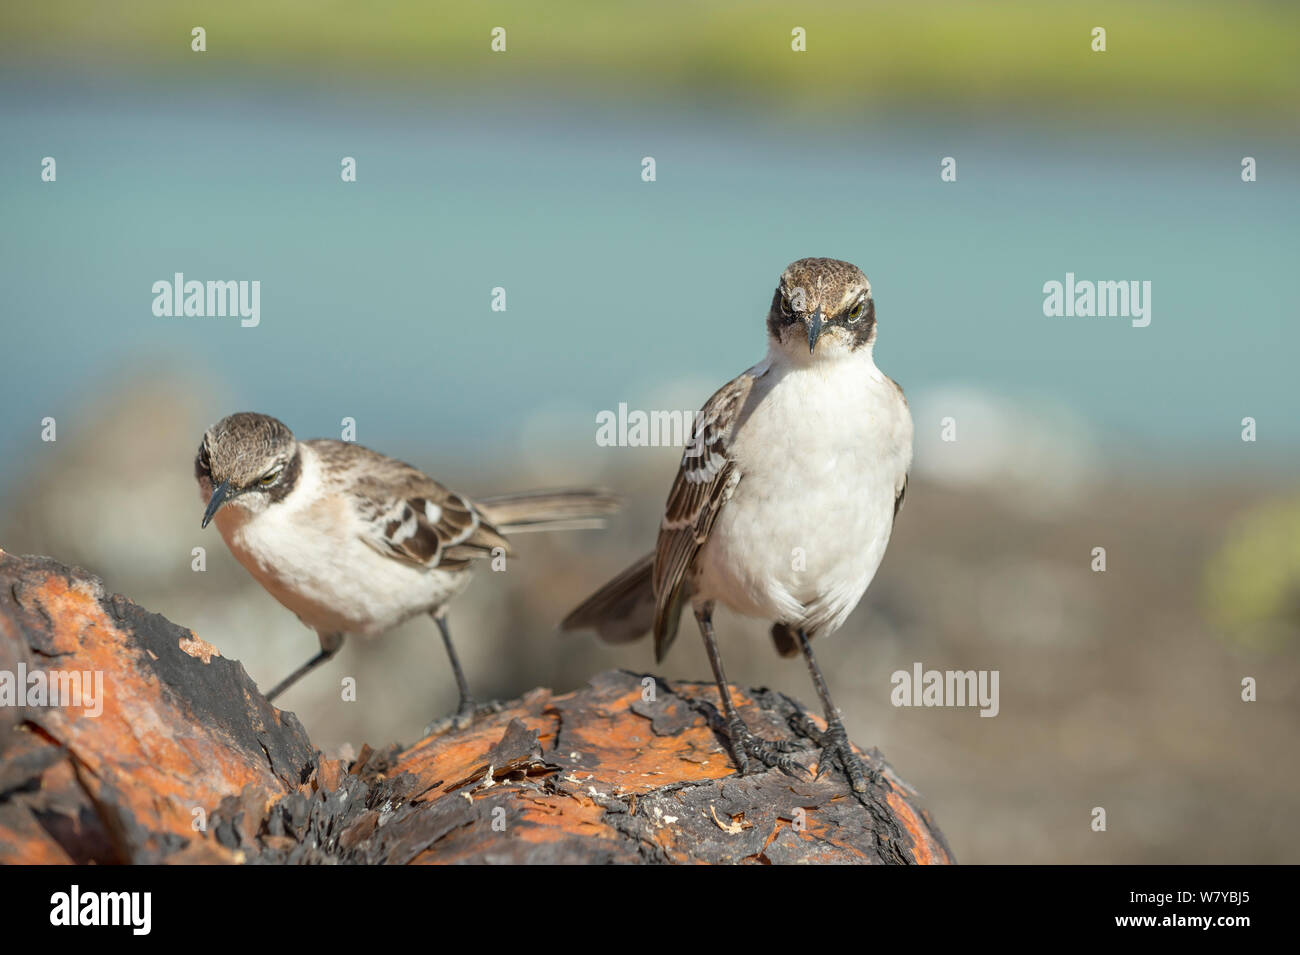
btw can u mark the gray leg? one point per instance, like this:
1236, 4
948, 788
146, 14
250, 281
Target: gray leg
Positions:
835, 741
330, 643
744, 743
466, 701
468, 710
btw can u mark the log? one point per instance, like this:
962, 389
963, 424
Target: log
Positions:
186, 762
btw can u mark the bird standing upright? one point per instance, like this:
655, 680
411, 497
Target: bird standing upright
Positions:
784, 501
355, 542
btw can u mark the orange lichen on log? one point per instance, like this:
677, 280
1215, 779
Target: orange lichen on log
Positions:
139, 750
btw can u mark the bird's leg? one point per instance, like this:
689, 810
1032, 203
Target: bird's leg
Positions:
834, 741
468, 710
330, 643
744, 743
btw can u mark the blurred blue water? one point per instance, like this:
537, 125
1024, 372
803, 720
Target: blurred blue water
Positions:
375, 295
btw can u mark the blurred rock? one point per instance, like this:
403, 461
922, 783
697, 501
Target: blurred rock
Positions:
1036, 455
111, 491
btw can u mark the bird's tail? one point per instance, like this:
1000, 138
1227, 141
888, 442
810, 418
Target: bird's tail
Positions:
621, 611
548, 510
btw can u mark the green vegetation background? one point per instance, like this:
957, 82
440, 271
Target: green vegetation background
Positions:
950, 55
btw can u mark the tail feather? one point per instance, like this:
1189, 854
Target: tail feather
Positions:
786, 640
621, 611
549, 510
666, 626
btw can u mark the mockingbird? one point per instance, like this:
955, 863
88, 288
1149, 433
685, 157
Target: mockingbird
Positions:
784, 500
355, 542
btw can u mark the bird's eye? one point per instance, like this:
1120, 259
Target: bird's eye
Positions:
785, 306
270, 477
856, 312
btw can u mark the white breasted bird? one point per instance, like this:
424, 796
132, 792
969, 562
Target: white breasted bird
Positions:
355, 542
784, 501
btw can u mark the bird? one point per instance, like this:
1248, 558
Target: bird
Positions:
783, 504
355, 542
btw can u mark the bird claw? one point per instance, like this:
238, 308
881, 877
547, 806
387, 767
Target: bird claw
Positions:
836, 748
463, 718
803, 724
773, 753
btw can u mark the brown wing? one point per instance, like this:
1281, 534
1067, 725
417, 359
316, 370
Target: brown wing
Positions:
902, 488
406, 514
435, 528
704, 482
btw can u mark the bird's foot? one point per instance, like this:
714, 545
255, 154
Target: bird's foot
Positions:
775, 753
463, 718
836, 748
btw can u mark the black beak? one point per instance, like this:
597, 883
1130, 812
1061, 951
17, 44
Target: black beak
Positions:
214, 503
814, 329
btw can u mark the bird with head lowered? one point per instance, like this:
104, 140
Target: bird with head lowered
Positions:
355, 542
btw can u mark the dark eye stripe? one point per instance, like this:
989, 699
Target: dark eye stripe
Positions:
202, 465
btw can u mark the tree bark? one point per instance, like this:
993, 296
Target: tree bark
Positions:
188, 762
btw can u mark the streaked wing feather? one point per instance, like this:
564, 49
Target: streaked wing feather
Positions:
436, 528
704, 481
407, 514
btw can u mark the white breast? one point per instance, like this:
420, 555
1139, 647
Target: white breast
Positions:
821, 460
308, 552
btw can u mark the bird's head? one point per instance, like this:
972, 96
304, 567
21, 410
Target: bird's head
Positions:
247, 460
822, 310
